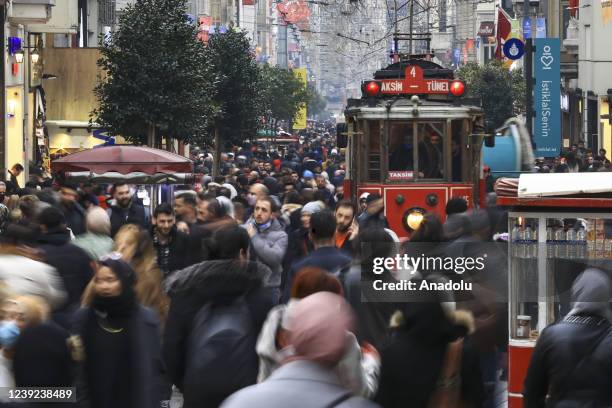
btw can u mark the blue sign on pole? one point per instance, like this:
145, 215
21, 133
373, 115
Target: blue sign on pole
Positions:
514, 49
457, 55
547, 97
527, 28
541, 27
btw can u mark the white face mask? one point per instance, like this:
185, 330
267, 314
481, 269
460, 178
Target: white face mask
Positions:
252, 199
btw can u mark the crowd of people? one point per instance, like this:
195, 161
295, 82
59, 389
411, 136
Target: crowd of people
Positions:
240, 291
574, 160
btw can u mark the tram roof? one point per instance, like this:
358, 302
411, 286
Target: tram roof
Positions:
403, 108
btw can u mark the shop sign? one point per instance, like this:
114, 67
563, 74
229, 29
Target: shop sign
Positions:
487, 29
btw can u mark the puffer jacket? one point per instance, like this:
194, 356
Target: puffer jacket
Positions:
193, 287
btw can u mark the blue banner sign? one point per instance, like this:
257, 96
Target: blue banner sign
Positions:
527, 28
541, 27
547, 97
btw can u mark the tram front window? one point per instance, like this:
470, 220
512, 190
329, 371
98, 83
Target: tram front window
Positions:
401, 155
431, 150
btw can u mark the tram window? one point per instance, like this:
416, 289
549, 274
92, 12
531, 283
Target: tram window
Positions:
431, 150
456, 152
373, 151
400, 147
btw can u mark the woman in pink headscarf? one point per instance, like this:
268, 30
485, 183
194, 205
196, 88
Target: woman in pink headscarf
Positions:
317, 335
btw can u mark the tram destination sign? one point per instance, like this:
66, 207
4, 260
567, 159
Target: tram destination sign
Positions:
401, 175
414, 83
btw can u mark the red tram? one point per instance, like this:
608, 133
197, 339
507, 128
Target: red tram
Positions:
415, 140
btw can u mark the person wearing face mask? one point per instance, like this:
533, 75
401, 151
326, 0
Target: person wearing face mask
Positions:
122, 365
226, 291
19, 313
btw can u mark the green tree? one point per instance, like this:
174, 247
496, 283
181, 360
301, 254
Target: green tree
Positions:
157, 76
238, 94
502, 92
283, 94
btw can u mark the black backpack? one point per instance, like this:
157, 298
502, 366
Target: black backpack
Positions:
221, 356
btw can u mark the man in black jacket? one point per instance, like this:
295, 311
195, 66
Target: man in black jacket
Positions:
73, 211
125, 210
172, 245
72, 263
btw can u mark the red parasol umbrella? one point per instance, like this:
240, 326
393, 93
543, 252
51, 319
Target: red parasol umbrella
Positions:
124, 160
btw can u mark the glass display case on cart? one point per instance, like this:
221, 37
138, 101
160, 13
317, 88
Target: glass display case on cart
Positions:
551, 241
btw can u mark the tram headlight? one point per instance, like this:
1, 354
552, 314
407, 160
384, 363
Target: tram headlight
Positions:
457, 88
412, 218
371, 88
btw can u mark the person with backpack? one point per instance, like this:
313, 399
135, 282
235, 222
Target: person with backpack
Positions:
317, 330
216, 312
571, 365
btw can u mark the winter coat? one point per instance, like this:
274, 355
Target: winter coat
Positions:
72, 264
193, 287
180, 254
330, 259
24, 276
95, 245
75, 218
269, 247
356, 373
561, 368
412, 359
298, 384
134, 214
147, 363
372, 317
572, 360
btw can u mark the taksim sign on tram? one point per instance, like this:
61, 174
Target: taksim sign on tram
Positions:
414, 83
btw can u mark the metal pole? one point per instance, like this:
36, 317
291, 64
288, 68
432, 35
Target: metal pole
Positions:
2, 96
411, 18
528, 73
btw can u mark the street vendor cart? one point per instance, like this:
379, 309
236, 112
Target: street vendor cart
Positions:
559, 224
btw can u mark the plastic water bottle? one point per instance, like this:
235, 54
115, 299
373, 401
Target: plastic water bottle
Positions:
516, 239
550, 242
559, 243
571, 244
581, 238
528, 242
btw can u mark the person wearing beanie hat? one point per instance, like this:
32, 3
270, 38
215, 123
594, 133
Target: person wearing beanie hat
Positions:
96, 241
121, 341
318, 331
